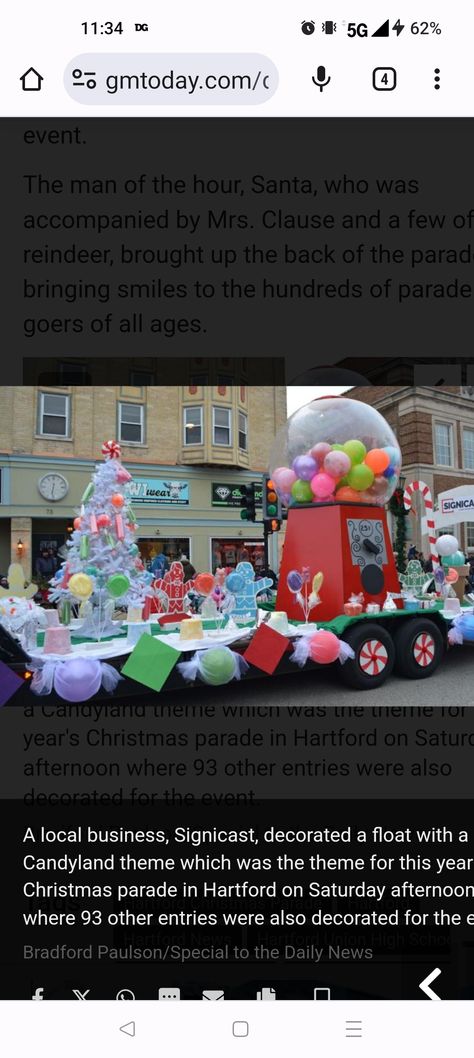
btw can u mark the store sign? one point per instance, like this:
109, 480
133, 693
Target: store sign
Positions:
458, 504
159, 492
227, 495
454, 506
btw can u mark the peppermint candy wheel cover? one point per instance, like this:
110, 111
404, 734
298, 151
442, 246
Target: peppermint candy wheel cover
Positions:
111, 450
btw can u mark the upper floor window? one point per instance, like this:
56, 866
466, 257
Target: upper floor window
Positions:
443, 444
142, 378
468, 449
54, 414
221, 426
131, 423
192, 426
470, 534
243, 431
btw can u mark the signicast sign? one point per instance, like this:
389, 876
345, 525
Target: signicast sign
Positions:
452, 504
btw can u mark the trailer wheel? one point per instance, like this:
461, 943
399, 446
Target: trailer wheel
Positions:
374, 656
419, 648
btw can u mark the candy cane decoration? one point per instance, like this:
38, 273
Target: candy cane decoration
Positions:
419, 486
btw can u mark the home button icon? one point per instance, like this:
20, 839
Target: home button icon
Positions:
31, 80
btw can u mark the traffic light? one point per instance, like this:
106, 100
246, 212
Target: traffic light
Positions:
271, 503
271, 507
247, 502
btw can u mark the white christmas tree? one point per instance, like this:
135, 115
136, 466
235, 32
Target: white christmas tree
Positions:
103, 562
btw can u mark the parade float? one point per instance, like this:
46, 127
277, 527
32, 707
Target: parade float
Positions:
113, 628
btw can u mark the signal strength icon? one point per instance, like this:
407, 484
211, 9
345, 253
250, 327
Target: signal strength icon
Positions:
383, 31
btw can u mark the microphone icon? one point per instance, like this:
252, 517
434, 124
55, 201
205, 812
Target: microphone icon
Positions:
321, 80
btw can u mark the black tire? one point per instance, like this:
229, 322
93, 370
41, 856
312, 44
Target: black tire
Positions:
374, 656
419, 648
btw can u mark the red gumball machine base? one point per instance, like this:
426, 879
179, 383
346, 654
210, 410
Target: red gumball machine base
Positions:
350, 544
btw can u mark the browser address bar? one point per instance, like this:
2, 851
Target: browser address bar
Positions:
178, 78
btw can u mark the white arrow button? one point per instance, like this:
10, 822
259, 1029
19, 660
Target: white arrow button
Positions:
425, 985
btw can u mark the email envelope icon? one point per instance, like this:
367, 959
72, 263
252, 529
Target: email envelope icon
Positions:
213, 993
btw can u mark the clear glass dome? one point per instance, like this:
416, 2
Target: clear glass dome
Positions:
335, 449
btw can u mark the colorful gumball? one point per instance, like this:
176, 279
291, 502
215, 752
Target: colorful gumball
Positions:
294, 581
355, 450
380, 486
284, 478
77, 523
301, 491
389, 472
347, 495
323, 485
103, 521
123, 476
117, 500
361, 477
324, 647
378, 460
319, 451
338, 448
337, 464
394, 455
304, 467
204, 583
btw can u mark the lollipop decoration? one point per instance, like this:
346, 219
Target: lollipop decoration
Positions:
298, 583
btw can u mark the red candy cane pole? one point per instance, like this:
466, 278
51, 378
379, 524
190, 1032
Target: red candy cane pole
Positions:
419, 486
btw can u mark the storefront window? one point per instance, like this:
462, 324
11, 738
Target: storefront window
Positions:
470, 534
171, 547
228, 553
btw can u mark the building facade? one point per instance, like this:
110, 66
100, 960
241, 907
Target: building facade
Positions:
189, 449
434, 426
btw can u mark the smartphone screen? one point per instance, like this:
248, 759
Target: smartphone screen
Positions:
237, 528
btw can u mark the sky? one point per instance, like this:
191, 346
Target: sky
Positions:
296, 396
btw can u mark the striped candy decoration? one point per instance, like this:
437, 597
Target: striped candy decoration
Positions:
419, 486
111, 450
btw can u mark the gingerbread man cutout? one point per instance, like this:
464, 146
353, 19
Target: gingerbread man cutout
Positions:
246, 599
175, 587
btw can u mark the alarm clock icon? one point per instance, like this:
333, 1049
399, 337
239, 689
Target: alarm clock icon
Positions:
308, 28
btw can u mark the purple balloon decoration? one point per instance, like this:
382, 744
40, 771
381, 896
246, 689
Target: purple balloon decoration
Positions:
294, 580
304, 467
78, 680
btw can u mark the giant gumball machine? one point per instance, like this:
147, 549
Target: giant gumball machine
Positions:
335, 466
